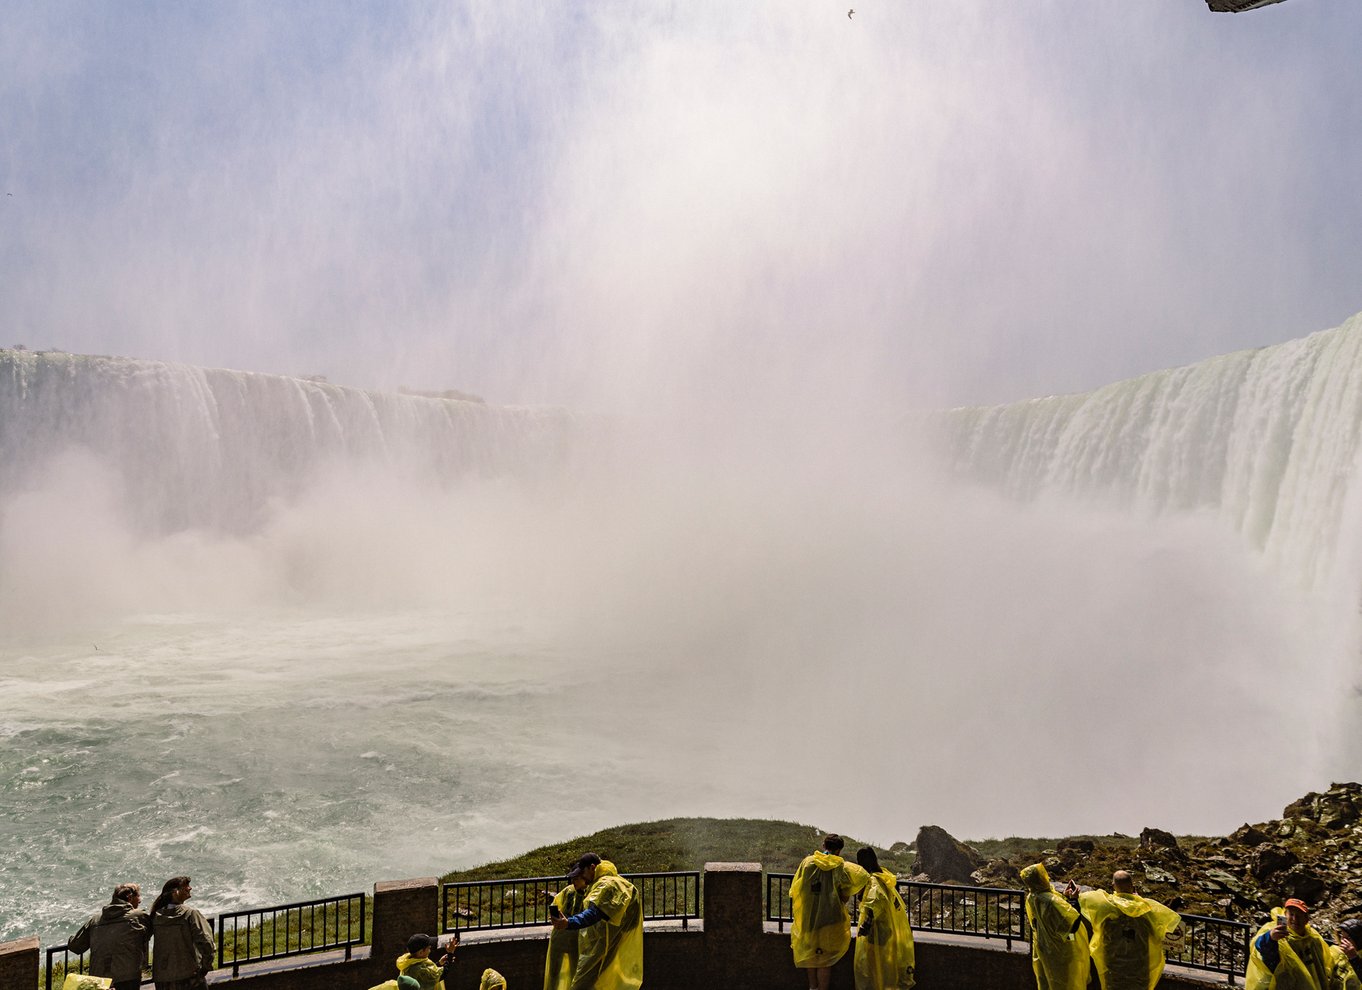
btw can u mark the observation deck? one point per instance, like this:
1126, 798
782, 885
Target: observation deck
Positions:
723, 927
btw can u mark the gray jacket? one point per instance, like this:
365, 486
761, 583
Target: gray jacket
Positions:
183, 944
116, 939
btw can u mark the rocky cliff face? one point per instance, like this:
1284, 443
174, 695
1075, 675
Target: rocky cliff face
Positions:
1314, 852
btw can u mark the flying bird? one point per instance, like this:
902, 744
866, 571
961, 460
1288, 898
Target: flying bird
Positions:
850, 12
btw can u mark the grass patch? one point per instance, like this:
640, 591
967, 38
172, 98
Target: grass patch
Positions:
679, 844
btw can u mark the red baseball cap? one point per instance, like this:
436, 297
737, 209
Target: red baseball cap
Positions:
1296, 902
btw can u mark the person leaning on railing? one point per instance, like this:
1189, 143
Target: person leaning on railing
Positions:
116, 938
1059, 933
884, 939
183, 950
820, 927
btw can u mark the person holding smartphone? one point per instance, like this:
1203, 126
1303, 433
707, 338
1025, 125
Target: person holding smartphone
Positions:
1289, 952
1350, 941
560, 964
1060, 956
610, 955
417, 963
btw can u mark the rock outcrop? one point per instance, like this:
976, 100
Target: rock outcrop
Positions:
1314, 852
942, 858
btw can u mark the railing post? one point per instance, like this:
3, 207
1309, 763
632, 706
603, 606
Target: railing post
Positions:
19, 963
733, 925
402, 908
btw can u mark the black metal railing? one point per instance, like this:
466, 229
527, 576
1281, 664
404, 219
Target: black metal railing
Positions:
71, 962
476, 905
324, 925
55, 972
989, 912
777, 900
1215, 945
671, 896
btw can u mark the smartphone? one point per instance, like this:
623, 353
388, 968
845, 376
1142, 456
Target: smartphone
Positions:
554, 912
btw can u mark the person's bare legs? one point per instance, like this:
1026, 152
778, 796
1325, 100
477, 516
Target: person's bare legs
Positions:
823, 976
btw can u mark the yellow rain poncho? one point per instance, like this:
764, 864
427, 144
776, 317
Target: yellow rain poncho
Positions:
561, 962
860, 877
424, 971
610, 952
884, 948
492, 980
821, 930
84, 981
1059, 941
1307, 962
1127, 938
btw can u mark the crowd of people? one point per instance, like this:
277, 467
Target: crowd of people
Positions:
1117, 941
1079, 939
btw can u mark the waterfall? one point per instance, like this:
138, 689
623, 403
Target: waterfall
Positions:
1266, 440
205, 448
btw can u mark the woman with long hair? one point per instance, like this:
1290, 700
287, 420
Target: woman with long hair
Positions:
183, 951
884, 939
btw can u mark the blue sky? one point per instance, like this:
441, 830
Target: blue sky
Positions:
613, 203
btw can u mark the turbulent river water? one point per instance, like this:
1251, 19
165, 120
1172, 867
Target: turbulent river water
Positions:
282, 755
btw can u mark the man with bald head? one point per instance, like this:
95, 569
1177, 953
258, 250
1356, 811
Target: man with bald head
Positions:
1128, 933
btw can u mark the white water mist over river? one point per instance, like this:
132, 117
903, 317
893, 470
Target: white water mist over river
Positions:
391, 678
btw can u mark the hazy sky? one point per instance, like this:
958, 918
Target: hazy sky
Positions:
937, 200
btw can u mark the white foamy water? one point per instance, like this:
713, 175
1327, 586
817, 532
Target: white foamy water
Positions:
287, 754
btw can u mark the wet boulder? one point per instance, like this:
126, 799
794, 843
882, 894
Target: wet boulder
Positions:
1157, 838
1249, 836
943, 857
1265, 860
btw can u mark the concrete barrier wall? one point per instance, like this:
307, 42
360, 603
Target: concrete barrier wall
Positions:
19, 963
733, 949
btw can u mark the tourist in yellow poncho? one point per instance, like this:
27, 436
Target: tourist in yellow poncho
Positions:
884, 939
1059, 934
860, 876
821, 930
1289, 954
561, 962
610, 947
417, 964
492, 980
1128, 933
